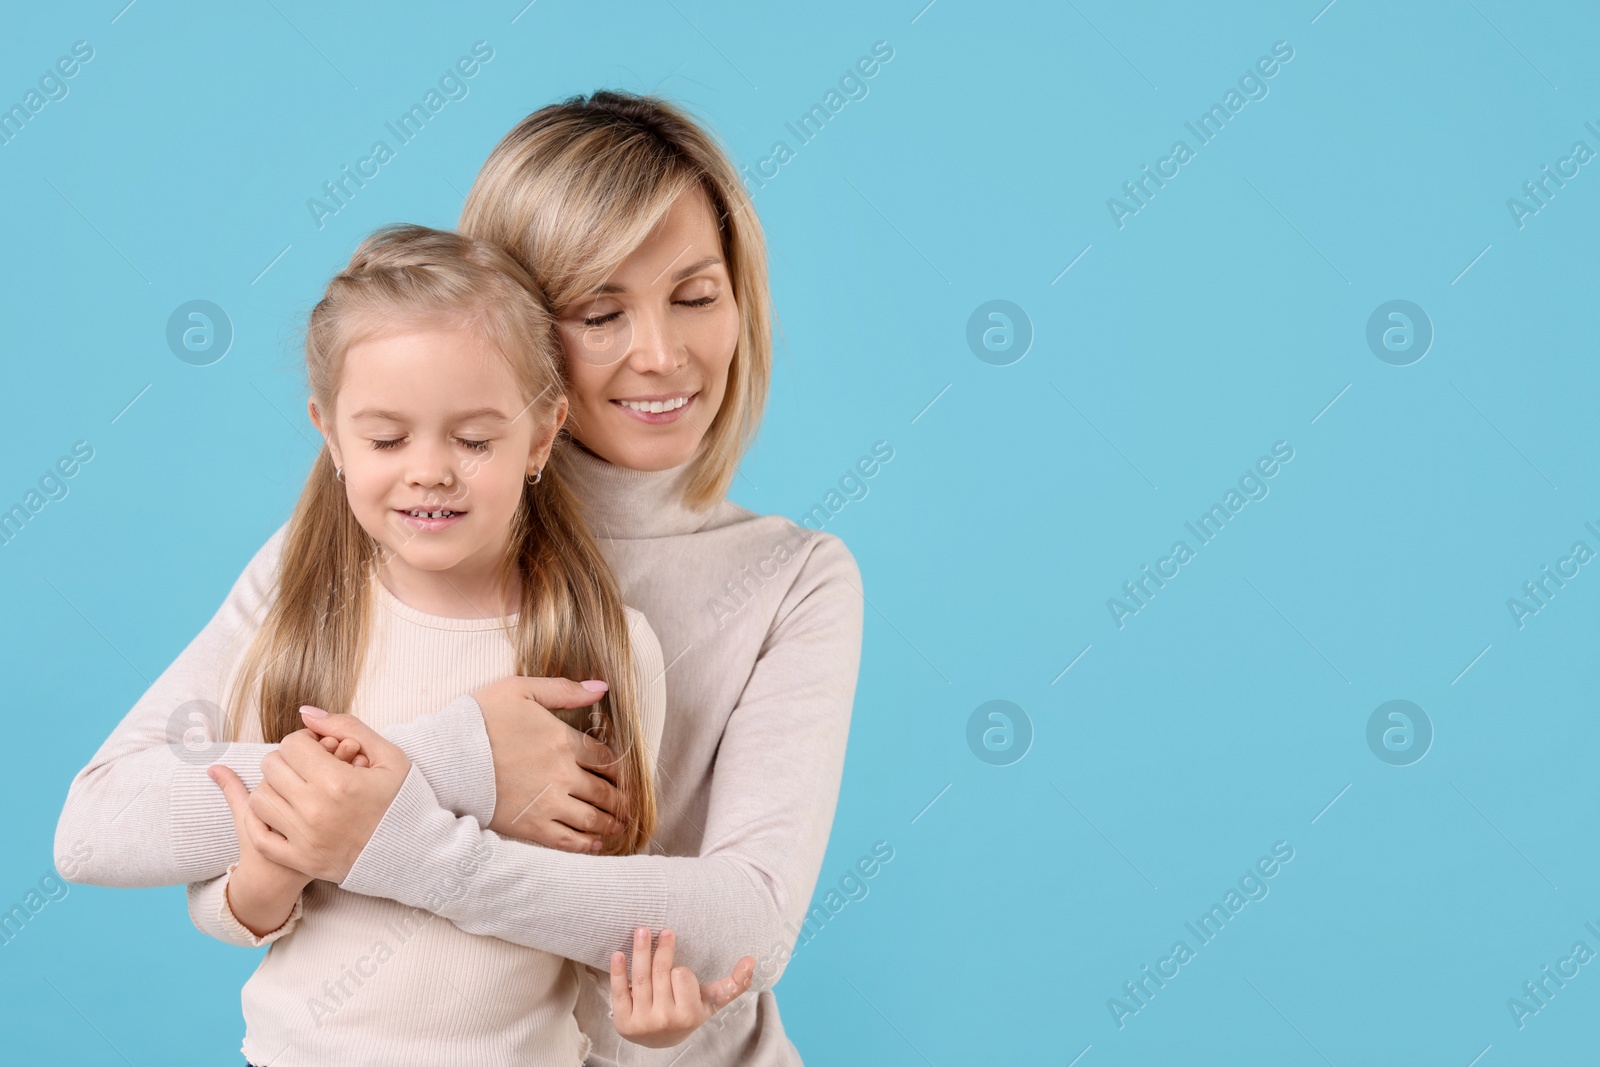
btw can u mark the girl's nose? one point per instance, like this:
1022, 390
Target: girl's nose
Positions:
434, 466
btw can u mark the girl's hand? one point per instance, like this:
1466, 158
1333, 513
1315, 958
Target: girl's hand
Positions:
261, 894
347, 749
666, 1004
323, 811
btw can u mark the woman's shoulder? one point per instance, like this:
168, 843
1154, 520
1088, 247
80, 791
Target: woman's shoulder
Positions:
816, 565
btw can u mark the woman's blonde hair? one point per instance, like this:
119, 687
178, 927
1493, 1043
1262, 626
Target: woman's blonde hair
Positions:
577, 186
571, 622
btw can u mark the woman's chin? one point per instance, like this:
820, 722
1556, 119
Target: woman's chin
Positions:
639, 453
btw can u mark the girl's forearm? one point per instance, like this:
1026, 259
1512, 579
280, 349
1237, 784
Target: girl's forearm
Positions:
262, 898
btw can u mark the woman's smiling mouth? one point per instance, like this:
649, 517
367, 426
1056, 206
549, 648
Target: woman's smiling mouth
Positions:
657, 409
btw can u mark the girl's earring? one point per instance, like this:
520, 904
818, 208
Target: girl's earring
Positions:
338, 474
533, 479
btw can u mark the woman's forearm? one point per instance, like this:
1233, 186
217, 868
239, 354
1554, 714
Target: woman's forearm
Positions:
143, 812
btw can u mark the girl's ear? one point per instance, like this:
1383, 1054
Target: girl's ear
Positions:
325, 427
539, 451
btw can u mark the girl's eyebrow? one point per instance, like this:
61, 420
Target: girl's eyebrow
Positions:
394, 416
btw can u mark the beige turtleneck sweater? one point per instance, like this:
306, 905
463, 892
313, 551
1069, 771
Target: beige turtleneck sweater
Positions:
759, 622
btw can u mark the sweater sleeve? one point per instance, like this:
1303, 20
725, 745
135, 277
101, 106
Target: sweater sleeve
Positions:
773, 796
208, 908
144, 812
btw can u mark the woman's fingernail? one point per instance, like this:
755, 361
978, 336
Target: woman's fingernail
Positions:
594, 685
313, 713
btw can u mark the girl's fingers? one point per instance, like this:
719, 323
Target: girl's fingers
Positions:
361, 760
233, 790
329, 743
621, 999
661, 972
717, 994
643, 994
686, 996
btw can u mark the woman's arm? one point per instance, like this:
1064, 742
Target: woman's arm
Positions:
144, 806
772, 801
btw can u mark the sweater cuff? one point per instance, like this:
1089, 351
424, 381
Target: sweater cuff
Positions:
238, 933
201, 828
397, 850
451, 748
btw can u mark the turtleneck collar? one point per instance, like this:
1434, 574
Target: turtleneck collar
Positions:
625, 504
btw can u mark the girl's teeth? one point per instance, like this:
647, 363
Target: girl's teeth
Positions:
656, 405
418, 513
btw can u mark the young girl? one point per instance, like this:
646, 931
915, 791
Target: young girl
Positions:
433, 550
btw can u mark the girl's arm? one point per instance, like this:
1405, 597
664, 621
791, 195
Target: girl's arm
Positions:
146, 809
766, 827
246, 907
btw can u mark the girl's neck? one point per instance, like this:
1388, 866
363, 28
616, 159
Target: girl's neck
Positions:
460, 593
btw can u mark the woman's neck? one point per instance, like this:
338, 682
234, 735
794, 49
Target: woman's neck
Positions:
621, 503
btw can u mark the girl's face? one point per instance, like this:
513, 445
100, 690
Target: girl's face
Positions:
435, 441
647, 354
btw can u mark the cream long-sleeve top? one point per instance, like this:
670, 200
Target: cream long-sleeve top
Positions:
759, 622
353, 979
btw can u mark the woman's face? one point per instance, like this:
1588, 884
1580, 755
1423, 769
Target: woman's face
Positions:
435, 439
647, 354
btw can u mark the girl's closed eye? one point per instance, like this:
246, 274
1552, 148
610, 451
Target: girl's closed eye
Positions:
393, 442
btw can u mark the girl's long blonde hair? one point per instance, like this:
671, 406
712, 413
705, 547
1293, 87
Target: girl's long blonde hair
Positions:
577, 186
571, 623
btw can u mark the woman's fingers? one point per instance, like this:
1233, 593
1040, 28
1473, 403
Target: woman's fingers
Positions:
269, 805
586, 819
557, 692
597, 792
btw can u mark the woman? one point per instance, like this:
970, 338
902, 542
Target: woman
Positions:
634, 222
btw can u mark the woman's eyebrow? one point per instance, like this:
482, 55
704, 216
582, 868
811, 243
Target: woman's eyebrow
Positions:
680, 275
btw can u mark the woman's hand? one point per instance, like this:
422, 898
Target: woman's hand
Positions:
666, 1004
552, 783
323, 811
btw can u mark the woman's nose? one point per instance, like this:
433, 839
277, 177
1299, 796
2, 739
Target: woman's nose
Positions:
656, 347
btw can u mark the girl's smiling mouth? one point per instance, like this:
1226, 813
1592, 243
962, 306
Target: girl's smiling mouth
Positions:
430, 520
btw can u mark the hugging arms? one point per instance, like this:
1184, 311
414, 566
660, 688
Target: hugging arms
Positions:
152, 816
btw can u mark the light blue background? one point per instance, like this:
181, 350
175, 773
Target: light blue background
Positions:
1223, 317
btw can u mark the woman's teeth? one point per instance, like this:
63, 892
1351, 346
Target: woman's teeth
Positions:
418, 513
655, 405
